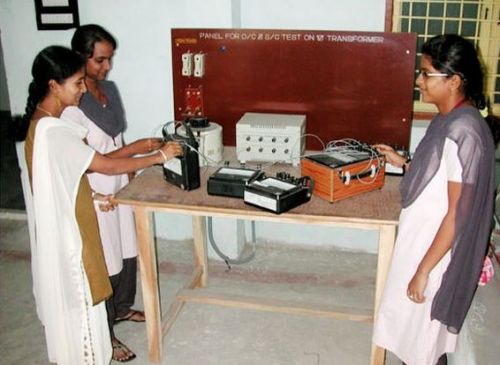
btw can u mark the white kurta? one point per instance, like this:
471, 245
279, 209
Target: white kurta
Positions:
404, 327
117, 228
76, 332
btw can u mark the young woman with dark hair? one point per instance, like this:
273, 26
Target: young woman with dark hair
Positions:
70, 279
102, 113
86, 36
447, 198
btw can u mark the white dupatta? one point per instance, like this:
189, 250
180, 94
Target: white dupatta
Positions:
76, 332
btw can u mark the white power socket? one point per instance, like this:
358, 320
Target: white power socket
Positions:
187, 64
199, 65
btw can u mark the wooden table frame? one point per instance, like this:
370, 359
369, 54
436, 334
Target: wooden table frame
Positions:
147, 201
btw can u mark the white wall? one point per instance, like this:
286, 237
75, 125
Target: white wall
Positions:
354, 15
21, 42
142, 67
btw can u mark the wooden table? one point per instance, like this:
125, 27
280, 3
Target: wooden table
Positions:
149, 192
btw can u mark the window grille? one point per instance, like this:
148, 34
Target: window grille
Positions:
477, 20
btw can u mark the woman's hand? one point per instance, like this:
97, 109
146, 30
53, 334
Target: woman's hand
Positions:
417, 286
147, 145
391, 156
103, 202
170, 150
140, 147
441, 244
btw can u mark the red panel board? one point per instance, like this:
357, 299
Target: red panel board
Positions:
348, 84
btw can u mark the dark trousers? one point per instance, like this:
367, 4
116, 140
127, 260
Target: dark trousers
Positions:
124, 288
443, 360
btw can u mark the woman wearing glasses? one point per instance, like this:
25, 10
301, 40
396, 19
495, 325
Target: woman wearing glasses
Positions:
447, 196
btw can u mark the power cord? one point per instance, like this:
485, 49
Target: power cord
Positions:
227, 259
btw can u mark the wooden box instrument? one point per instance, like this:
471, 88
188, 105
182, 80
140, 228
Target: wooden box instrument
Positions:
341, 175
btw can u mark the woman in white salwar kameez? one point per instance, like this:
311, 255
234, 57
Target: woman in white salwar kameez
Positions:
447, 197
67, 262
101, 111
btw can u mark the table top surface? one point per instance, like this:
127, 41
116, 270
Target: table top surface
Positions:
150, 190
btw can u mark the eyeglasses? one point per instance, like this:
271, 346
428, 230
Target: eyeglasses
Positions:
427, 74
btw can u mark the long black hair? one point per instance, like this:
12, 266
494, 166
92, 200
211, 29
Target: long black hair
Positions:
52, 63
455, 55
86, 36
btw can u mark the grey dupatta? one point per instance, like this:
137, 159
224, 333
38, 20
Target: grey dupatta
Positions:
110, 118
476, 150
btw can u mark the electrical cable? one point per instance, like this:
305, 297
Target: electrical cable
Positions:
211, 239
351, 147
300, 139
227, 259
180, 139
263, 166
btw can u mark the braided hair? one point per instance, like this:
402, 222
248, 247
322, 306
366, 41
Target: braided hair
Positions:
52, 63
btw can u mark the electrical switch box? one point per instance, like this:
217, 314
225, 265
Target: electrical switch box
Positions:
270, 137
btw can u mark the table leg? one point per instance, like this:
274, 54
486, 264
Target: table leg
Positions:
387, 237
149, 281
200, 248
